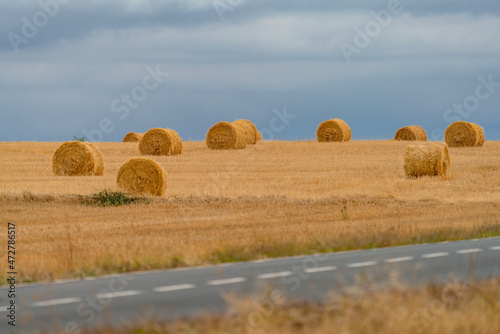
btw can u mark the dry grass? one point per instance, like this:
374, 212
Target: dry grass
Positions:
273, 199
452, 309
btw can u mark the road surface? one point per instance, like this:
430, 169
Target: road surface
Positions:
67, 306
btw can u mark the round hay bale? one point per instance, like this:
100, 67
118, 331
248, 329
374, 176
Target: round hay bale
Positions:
432, 159
481, 138
77, 158
464, 134
333, 130
99, 158
259, 136
160, 142
142, 176
132, 137
251, 133
227, 136
411, 133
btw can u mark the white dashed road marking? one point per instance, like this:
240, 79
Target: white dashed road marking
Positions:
118, 294
175, 287
261, 260
362, 264
235, 280
56, 302
433, 255
319, 269
468, 251
227, 281
400, 259
274, 275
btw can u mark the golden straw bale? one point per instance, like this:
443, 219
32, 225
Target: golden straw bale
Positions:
259, 136
411, 133
77, 158
244, 129
464, 134
142, 176
99, 158
430, 159
481, 138
333, 130
132, 137
252, 134
160, 142
227, 136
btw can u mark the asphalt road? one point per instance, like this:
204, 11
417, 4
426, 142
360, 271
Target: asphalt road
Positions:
66, 307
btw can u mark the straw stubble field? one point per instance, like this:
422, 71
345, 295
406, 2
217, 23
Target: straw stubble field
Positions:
271, 199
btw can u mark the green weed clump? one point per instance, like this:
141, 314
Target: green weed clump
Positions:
108, 198
82, 139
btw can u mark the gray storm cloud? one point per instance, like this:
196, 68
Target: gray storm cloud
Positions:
64, 65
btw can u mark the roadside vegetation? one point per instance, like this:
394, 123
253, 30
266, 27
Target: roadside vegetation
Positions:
454, 308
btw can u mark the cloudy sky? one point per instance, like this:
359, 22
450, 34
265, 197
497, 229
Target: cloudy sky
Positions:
103, 68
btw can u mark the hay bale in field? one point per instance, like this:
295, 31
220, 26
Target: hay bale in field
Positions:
430, 159
251, 133
132, 137
464, 134
77, 158
411, 133
160, 142
142, 176
333, 130
259, 136
100, 160
228, 136
481, 138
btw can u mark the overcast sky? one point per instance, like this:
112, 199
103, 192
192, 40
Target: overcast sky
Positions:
103, 68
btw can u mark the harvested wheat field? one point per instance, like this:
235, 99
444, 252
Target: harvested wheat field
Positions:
271, 199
